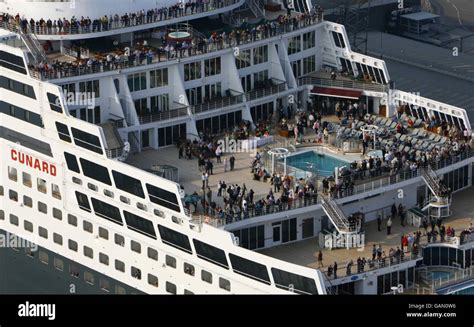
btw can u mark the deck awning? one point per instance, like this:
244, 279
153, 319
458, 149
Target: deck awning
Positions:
338, 93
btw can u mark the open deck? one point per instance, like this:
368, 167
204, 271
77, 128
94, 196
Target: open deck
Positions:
305, 252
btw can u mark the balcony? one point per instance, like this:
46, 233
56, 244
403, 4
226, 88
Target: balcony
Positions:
266, 88
76, 29
201, 45
341, 83
232, 98
163, 115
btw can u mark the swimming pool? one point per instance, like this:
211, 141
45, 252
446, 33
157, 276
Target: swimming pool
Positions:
314, 162
441, 275
463, 288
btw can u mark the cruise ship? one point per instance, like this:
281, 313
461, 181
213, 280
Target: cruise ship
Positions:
88, 91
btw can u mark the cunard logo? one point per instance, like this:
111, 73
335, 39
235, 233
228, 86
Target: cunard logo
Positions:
33, 162
37, 310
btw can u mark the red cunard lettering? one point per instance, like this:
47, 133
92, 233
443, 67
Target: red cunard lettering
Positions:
32, 162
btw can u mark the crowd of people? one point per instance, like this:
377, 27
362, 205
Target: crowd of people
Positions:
143, 53
80, 25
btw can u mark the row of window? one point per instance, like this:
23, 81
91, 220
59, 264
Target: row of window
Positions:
123, 182
21, 114
299, 43
138, 81
41, 184
104, 259
17, 87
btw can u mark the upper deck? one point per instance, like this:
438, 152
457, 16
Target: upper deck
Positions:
89, 19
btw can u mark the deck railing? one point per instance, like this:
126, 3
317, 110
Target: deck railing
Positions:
344, 84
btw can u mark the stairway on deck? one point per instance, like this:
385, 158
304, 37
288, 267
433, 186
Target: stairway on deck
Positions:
112, 136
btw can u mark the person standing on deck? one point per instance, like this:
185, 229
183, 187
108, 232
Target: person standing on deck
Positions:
389, 225
320, 259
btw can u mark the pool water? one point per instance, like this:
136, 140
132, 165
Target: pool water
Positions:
321, 164
441, 275
466, 291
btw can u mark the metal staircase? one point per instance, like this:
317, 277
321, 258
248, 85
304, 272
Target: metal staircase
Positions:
434, 183
439, 205
33, 45
338, 218
114, 143
257, 7
356, 20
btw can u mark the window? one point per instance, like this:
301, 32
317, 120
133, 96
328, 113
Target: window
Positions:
63, 132
72, 220
212, 66
309, 40
210, 253
128, 184
73, 270
119, 240
43, 257
86, 140
27, 201
88, 252
92, 187
57, 214
72, 245
83, 201
90, 89
28, 226
26, 179
294, 45
124, 199
135, 246
58, 239
13, 195
159, 77
29, 252
170, 288
87, 226
71, 162
242, 60
309, 64
139, 224
42, 207
21, 114
119, 290
250, 269
152, 254
104, 285
192, 71
107, 211
153, 280
338, 39
300, 284
119, 265
2, 215
188, 269
224, 284
170, 261
141, 206
58, 264
260, 55
159, 213
12, 174
89, 277
175, 239
160, 103
43, 232
108, 193
17, 87
55, 192
41, 185
136, 273
103, 233
206, 276
14, 220
137, 82
186, 292
77, 181
103, 258
95, 171
163, 197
